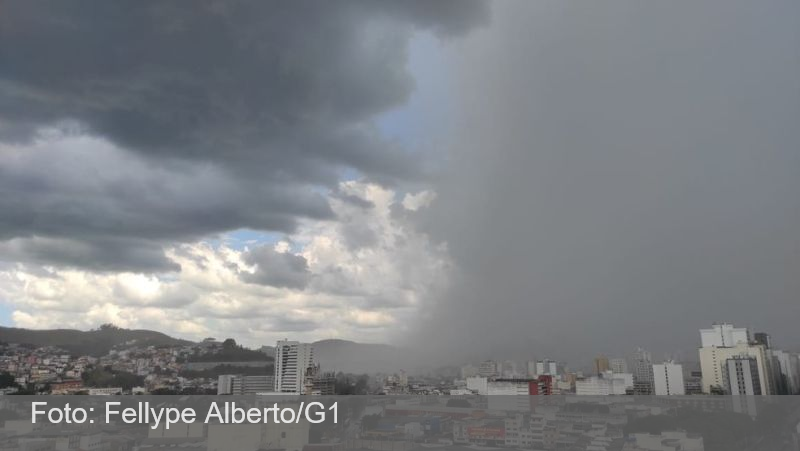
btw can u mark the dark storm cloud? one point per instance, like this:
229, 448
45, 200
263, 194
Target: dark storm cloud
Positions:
273, 98
277, 269
80, 201
98, 254
624, 173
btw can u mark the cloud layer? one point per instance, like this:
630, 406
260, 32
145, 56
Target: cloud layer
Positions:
129, 127
314, 283
138, 140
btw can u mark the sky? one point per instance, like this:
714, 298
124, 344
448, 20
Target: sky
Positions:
471, 179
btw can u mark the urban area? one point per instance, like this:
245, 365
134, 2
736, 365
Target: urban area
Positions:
490, 405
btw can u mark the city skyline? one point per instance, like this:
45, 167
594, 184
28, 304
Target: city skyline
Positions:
461, 178
732, 361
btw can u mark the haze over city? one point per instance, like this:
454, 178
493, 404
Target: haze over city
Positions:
462, 178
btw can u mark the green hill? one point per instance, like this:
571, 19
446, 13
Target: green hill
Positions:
94, 342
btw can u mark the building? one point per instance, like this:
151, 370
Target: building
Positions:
225, 384
723, 342
742, 376
546, 367
66, 387
724, 336
488, 368
618, 365
601, 365
230, 384
478, 384
515, 394
605, 384
642, 372
692, 380
509, 387
292, 359
668, 379
789, 371
318, 383
713, 360
105, 391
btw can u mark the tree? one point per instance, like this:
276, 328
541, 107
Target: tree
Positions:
7, 380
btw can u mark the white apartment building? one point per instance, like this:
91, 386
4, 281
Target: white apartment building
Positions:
478, 384
292, 358
668, 379
724, 336
605, 384
546, 367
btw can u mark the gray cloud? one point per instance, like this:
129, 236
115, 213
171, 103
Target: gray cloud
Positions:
97, 254
283, 323
623, 174
282, 88
277, 269
229, 114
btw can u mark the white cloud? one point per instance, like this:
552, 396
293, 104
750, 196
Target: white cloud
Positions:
368, 273
415, 201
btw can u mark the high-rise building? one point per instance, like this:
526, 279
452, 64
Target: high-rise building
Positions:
546, 367
642, 372
723, 342
742, 376
292, 359
724, 336
618, 365
787, 371
668, 379
712, 365
488, 368
601, 365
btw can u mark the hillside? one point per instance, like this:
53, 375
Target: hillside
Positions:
94, 342
333, 355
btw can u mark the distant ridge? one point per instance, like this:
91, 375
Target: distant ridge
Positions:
333, 354
94, 342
